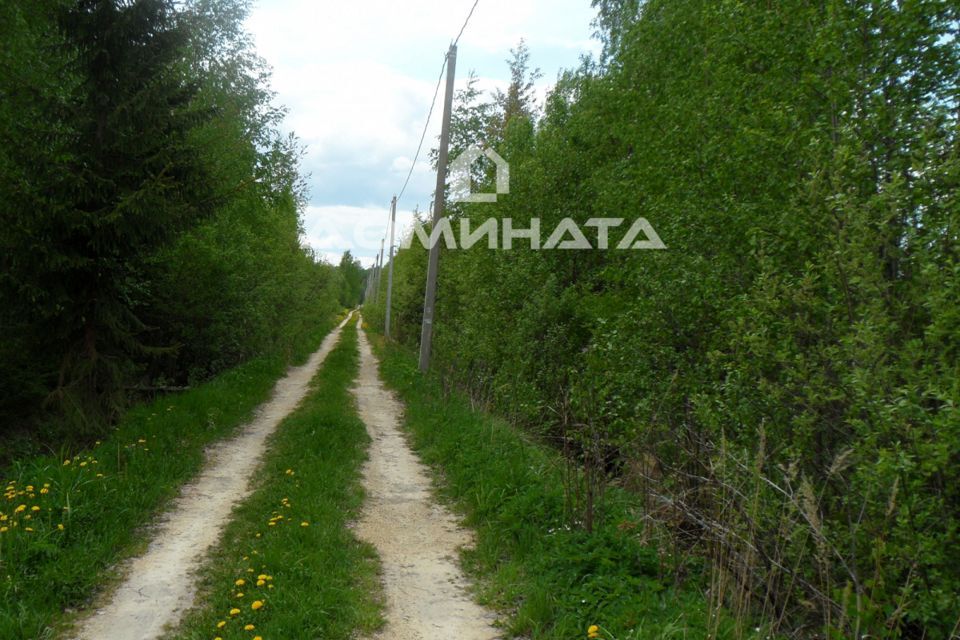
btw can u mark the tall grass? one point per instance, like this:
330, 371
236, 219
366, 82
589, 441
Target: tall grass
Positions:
534, 559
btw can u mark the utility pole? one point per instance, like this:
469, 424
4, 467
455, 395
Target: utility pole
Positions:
376, 292
393, 222
430, 297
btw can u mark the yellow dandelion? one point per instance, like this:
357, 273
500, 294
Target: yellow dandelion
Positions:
240, 582
20, 509
234, 611
257, 604
248, 627
34, 508
262, 576
260, 583
4, 529
304, 524
60, 527
221, 624
239, 594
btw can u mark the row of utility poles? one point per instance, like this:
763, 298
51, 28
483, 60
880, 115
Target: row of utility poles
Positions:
433, 263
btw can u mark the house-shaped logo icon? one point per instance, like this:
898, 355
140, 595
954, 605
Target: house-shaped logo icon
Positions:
462, 188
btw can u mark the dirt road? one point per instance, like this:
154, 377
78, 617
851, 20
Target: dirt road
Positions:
157, 587
417, 538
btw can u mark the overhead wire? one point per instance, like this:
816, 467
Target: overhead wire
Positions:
433, 104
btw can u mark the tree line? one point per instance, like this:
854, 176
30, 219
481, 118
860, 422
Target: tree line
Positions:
781, 384
150, 232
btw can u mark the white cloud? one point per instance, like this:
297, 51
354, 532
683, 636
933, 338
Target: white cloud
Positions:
358, 79
333, 229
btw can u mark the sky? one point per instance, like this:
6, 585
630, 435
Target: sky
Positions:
358, 79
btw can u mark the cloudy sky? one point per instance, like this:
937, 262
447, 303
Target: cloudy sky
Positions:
358, 79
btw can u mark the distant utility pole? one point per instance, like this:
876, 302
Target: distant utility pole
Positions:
376, 284
393, 222
430, 297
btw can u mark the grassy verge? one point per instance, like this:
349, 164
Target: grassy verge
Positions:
65, 520
550, 579
289, 567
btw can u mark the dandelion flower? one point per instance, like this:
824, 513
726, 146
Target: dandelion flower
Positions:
240, 582
304, 524
248, 627
256, 604
60, 527
221, 624
234, 611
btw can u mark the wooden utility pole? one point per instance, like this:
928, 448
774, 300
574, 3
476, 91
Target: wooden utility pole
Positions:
376, 292
430, 297
393, 223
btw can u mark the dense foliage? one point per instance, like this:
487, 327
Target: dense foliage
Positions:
149, 225
781, 383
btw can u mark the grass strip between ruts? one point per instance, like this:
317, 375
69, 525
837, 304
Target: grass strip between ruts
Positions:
288, 565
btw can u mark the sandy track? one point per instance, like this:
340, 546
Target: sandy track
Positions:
417, 539
157, 588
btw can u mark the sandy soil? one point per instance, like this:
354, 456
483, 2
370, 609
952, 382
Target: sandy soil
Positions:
157, 586
417, 539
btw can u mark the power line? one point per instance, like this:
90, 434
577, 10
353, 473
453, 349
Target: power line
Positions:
467, 21
433, 104
426, 126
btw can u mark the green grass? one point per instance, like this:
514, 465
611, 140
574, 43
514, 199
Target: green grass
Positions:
550, 580
103, 496
319, 581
